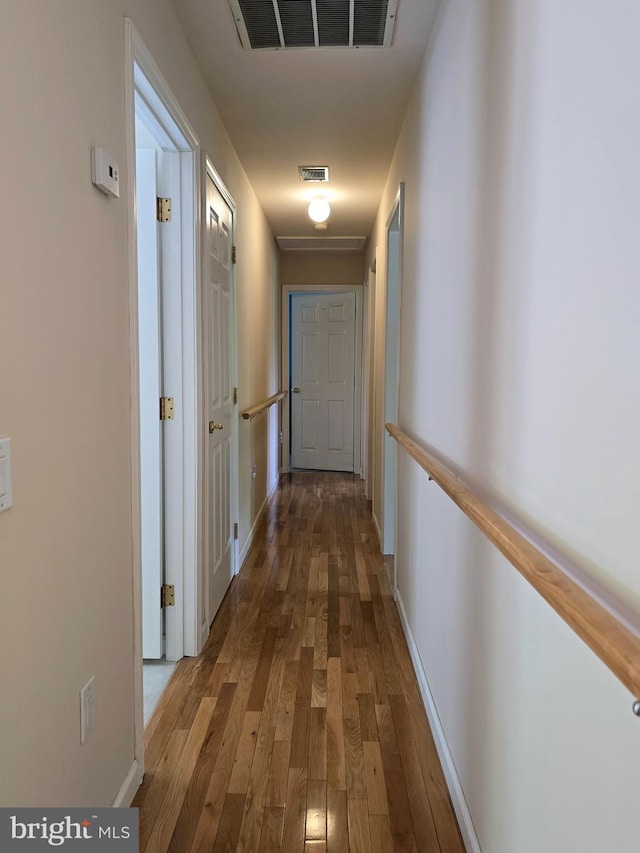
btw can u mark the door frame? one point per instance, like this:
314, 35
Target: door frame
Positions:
287, 291
368, 377
393, 308
142, 75
209, 171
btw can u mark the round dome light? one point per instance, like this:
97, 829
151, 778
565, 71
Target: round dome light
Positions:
319, 210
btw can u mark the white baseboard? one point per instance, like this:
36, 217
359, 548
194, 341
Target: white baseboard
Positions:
251, 535
127, 791
471, 843
203, 636
376, 527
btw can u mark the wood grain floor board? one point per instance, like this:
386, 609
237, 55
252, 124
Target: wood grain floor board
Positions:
299, 729
193, 803
367, 716
160, 781
381, 837
271, 835
319, 688
337, 822
359, 834
424, 826
168, 814
230, 821
316, 817
302, 714
397, 803
354, 760
278, 774
295, 811
317, 763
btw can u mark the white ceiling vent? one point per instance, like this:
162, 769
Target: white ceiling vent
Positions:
277, 24
313, 174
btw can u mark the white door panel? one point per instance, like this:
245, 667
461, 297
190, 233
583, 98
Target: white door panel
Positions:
323, 369
219, 404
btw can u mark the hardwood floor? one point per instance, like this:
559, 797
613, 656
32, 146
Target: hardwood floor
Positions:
300, 727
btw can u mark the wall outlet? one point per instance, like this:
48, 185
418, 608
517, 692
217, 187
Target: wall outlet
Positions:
253, 472
87, 709
5, 473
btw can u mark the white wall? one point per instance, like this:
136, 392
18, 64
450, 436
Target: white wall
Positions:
520, 354
66, 545
309, 267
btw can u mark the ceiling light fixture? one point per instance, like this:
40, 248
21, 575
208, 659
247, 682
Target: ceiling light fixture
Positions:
319, 209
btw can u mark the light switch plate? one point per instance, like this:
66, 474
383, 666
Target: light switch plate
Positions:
5, 474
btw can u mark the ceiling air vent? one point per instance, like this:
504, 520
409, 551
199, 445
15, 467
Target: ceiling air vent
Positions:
278, 24
314, 174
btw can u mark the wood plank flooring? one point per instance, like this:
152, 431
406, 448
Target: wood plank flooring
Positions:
300, 727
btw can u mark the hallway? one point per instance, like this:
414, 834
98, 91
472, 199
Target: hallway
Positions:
300, 727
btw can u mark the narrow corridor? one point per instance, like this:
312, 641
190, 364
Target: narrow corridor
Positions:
300, 727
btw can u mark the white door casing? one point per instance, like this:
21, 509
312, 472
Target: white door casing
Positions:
218, 348
323, 380
392, 346
148, 95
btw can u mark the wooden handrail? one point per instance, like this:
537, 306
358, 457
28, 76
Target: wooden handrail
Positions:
255, 410
615, 645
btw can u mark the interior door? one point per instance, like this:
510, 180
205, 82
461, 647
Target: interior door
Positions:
322, 380
219, 322
150, 378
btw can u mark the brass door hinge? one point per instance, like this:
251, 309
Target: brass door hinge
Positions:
235, 530
167, 595
163, 209
166, 408
234, 255
235, 395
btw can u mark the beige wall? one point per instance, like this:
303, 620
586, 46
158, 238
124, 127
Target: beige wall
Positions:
519, 365
298, 268
66, 545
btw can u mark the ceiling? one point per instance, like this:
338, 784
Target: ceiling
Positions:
336, 107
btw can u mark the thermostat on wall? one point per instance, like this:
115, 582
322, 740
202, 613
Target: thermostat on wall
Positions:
104, 172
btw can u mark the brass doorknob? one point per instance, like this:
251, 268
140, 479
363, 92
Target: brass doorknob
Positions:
296, 390
213, 426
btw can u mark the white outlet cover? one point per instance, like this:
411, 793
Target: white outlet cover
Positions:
6, 499
87, 709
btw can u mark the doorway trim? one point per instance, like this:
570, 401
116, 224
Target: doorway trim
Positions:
143, 76
287, 291
368, 377
209, 172
392, 346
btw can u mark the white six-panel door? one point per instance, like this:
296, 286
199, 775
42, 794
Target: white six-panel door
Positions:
218, 402
322, 380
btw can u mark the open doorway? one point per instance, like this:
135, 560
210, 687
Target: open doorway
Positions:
368, 380
392, 370
154, 167
163, 160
